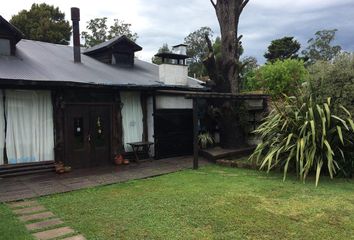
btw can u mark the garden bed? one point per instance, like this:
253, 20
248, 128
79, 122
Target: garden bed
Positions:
238, 163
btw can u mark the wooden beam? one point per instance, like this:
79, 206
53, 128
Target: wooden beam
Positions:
154, 123
195, 134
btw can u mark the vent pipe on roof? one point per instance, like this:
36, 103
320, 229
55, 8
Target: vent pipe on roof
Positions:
75, 17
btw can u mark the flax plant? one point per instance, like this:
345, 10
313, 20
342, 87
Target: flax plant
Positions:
307, 137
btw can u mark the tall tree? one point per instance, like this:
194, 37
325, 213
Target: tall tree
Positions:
163, 49
225, 74
100, 32
224, 71
197, 49
320, 47
43, 23
283, 48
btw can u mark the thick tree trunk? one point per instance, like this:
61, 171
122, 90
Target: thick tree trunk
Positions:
225, 73
228, 13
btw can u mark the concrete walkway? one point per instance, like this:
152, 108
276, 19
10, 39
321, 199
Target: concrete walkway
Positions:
24, 187
42, 224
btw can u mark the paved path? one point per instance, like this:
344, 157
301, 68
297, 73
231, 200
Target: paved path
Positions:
42, 224
18, 188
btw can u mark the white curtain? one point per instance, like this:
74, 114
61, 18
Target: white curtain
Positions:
29, 133
132, 117
2, 128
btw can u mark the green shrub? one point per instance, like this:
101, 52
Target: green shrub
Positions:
336, 80
306, 136
280, 77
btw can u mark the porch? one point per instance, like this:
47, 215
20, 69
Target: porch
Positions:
23, 187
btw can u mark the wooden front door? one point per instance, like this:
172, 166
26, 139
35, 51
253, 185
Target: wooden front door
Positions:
88, 135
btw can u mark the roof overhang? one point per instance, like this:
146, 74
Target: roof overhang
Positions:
172, 56
111, 43
13, 31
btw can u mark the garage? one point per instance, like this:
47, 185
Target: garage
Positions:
173, 127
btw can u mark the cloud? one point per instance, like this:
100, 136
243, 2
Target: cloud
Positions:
161, 21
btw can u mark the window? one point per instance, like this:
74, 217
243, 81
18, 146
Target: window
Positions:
99, 133
78, 133
5, 48
125, 59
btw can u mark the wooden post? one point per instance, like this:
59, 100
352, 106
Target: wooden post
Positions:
195, 133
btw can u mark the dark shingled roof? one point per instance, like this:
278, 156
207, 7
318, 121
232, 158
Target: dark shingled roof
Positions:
47, 62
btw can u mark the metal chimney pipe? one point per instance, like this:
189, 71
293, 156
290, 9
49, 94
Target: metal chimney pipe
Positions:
75, 17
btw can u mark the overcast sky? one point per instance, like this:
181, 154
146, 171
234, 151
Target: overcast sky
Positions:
169, 21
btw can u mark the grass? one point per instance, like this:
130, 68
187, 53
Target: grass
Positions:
10, 227
211, 203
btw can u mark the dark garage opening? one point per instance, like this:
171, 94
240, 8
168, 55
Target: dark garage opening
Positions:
173, 132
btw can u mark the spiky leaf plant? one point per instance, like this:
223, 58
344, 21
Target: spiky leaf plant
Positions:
205, 139
307, 137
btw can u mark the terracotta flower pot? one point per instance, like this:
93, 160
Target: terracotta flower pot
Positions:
119, 160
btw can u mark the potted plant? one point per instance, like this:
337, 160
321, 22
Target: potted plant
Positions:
119, 159
205, 140
59, 167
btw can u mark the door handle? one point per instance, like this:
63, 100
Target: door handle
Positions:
89, 137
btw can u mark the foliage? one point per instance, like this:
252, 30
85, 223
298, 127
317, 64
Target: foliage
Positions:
283, 48
43, 23
98, 31
320, 47
205, 139
278, 77
163, 49
217, 49
250, 65
306, 134
197, 46
334, 79
197, 49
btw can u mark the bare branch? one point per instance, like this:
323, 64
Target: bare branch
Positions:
243, 5
213, 3
239, 38
210, 45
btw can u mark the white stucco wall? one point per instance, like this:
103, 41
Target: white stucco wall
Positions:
173, 74
173, 102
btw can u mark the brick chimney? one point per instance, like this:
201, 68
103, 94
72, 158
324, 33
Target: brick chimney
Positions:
75, 17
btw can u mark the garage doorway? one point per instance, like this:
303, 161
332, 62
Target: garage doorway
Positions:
173, 132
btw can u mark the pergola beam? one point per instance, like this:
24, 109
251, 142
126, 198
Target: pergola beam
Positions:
195, 135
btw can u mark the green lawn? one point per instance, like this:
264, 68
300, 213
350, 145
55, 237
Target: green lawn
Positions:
212, 203
10, 227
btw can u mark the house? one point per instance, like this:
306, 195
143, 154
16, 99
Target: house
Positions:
82, 107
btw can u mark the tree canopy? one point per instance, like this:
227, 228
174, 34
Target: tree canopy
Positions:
197, 46
320, 47
197, 49
280, 77
334, 79
98, 31
43, 23
283, 48
163, 49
